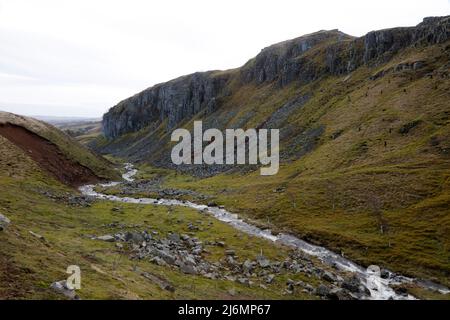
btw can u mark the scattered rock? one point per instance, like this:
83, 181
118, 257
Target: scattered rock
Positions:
107, 238
322, 291
230, 252
188, 269
270, 278
354, 285
175, 237
134, 237
36, 235
247, 266
263, 261
384, 274
4, 222
220, 243
62, 288
232, 292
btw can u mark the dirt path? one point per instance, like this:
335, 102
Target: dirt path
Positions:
48, 156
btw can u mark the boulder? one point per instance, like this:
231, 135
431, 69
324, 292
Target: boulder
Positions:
322, 291
134, 237
4, 222
188, 269
263, 261
62, 288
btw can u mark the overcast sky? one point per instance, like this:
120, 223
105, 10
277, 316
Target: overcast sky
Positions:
79, 58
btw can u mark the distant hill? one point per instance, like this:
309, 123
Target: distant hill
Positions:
65, 120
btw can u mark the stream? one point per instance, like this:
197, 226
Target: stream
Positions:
380, 288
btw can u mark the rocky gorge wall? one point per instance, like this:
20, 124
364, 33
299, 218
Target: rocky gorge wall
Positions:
303, 59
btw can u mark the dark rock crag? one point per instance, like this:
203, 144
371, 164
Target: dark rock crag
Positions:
302, 59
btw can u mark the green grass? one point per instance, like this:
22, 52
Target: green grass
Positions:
372, 176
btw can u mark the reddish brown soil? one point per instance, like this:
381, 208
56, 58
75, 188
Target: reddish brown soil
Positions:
48, 156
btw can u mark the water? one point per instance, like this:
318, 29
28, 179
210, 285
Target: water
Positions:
379, 288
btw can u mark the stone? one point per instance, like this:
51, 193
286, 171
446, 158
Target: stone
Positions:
158, 261
244, 281
162, 283
36, 235
167, 256
62, 288
134, 237
119, 245
232, 292
4, 222
247, 266
107, 238
339, 294
328, 276
322, 291
230, 252
269, 279
263, 261
188, 269
220, 243
354, 285
175, 237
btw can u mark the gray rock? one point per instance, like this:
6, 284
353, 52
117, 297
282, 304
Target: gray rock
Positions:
175, 237
263, 261
270, 278
162, 283
107, 238
134, 237
244, 281
339, 294
167, 256
4, 222
230, 252
354, 285
328, 276
188, 269
322, 291
385, 274
247, 266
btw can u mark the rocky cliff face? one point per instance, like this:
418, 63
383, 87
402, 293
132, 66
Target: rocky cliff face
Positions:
172, 101
303, 59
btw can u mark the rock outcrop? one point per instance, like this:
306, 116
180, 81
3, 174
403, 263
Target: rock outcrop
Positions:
303, 59
172, 101
4, 222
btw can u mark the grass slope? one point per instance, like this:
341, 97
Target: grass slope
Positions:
374, 185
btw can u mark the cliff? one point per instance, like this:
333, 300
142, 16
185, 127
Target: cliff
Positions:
303, 59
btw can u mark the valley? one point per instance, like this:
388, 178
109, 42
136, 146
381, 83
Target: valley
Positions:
363, 180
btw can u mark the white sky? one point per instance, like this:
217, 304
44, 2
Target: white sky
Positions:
81, 57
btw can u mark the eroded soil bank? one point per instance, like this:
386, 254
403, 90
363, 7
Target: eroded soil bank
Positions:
48, 156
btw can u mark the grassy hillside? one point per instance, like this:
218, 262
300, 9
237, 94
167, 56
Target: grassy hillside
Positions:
365, 159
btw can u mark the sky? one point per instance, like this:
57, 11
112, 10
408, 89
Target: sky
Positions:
81, 57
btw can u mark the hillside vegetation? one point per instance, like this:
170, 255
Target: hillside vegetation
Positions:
364, 132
